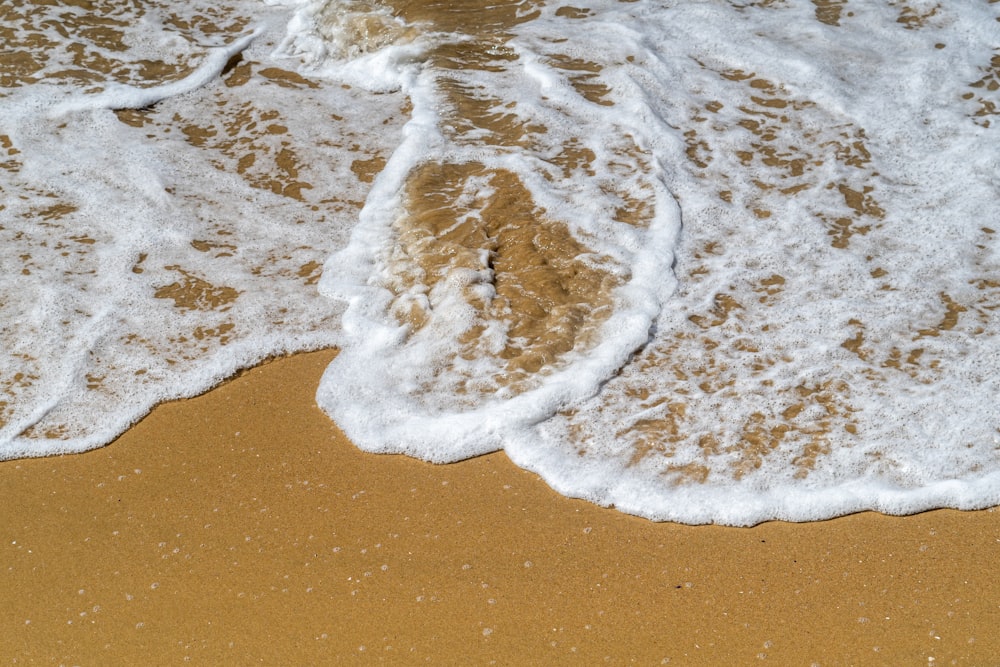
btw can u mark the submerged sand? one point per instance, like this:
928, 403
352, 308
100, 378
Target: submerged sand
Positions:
242, 526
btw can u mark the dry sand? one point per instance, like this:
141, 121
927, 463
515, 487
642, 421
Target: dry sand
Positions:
241, 526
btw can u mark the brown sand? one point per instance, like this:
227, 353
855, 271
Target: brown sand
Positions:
242, 526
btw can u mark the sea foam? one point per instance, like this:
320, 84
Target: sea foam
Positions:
703, 261
825, 341
164, 223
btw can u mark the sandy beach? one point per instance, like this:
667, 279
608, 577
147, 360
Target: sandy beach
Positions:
178, 176
241, 526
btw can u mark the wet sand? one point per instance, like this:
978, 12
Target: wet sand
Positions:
242, 526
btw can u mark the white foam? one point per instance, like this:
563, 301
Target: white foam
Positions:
137, 267
358, 42
917, 437
380, 387
860, 320
122, 96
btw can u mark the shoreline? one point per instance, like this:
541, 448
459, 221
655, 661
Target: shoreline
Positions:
242, 525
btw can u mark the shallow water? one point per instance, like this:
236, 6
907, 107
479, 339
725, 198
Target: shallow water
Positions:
705, 262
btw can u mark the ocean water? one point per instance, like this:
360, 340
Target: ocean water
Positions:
702, 261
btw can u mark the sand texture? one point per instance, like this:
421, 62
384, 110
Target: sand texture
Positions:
241, 526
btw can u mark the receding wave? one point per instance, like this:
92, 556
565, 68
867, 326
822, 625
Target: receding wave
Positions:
806, 341
512, 253
706, 262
